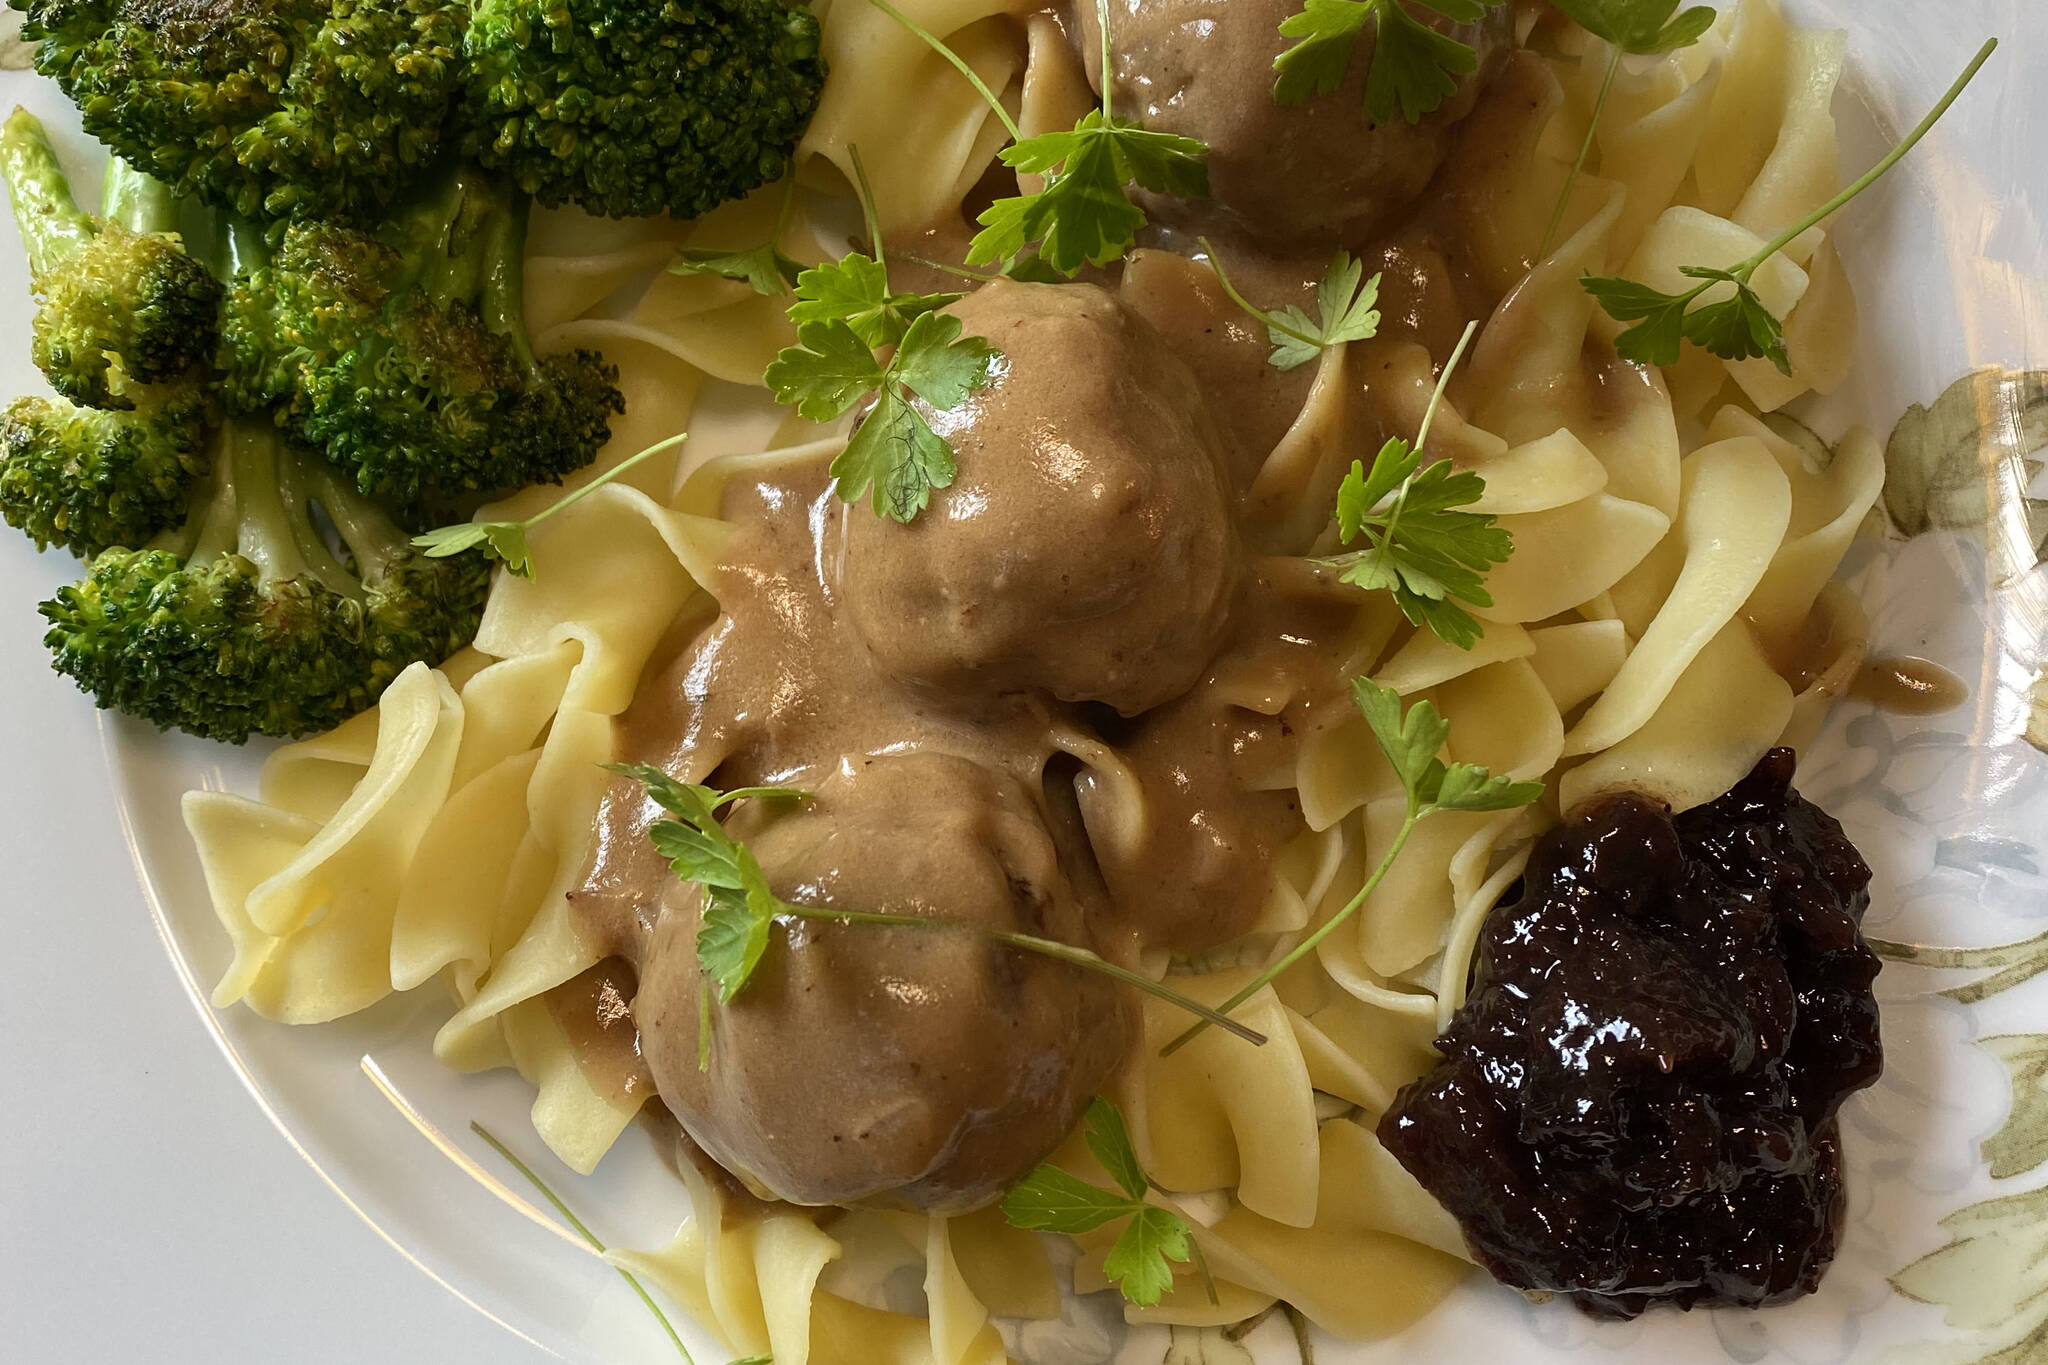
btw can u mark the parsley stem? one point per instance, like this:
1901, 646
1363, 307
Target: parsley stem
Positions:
868, 212
1044, 947
704, 1023
1202, 1267
1308, 945
1216, 265
1870, 177
453, 540
1443, 384
960, 272
1585, 150
932, 41
1102, 23
782, 210
576, 495
586, 1234
1383, 541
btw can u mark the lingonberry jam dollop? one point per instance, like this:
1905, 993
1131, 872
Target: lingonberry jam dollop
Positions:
1637, 1102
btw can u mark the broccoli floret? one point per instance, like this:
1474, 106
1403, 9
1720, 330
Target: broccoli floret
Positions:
637, 107
89, 479
270, 108
405, 357
121, 301
245, 621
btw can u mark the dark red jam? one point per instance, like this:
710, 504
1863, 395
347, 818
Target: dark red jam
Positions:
1637, 1103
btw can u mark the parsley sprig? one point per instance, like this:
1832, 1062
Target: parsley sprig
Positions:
1414, 68
1084, 215
1347, 309
845, 314
761, 267
1418, 545
1641, 28
1411, 743
740, 908
1739, 327
1141, 1261
506, 540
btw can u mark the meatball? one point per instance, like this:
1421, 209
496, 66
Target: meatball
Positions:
922, 1068
1637, 1105
1313, 175
1086, 546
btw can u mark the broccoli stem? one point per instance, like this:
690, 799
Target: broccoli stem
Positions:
457, 267
52, 224
263, 531
437, 241
468, 245
298, 479
502, 304
374, 540
259, 508
243, 249
209, 529
137, 201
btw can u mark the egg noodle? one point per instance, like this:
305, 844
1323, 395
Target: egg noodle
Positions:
1671, 549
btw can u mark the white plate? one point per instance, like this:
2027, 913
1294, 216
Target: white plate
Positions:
1952, 268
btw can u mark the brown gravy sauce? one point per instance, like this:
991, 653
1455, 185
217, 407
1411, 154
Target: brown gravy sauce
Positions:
1167, 815
595, 1010
1908, 686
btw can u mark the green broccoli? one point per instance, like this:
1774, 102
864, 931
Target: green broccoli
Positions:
118, 291
126, 324
89, 479
637, 107
246, 620
404, 355
271, 108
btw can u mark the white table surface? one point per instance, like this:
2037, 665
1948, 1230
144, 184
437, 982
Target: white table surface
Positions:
149, 1212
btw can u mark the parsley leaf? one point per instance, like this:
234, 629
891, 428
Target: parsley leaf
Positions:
1140, 1262
897, 455
1418, 546
937, 365
762, 268
855, 290
1428, 555
1739, 327
1414, 67
739, 907
1109, 1141
1411, 743
844, 313
1660, 337
1643, 27
826, 372
1054, 1200
1084, 216
506, 540
1736, 328
1347, 309
894, 453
